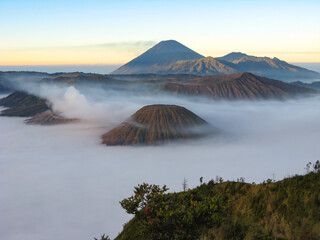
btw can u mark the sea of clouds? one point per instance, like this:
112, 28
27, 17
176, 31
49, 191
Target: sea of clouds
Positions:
59, 182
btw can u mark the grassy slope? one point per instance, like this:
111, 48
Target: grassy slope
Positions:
288, 209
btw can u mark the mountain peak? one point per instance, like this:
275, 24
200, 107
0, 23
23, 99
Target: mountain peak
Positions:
156, 124
170, 42
168, 46
162, 54
234, 56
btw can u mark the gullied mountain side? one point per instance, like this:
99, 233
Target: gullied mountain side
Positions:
265, 66
283, 210
156, 124
162, 54
21, 104
237, 86
204, 67
48, 118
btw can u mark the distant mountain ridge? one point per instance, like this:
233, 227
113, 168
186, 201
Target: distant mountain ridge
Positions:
233, 86
237, 86
171, 57
265, 66
314, 85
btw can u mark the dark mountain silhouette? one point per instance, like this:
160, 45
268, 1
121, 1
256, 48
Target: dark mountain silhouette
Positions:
156, 124
314, 85
159, 56
78, 78
231, 57
22, 104
237, 86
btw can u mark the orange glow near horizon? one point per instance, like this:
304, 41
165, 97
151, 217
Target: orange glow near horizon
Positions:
118, 56
43, 61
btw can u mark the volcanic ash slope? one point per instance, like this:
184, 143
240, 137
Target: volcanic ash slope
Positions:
156, 124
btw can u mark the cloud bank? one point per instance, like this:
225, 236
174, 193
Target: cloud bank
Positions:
59, 182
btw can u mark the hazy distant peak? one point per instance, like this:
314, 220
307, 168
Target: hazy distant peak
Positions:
234, 56
171, 46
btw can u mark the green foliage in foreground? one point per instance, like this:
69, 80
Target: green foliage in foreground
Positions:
172, 216
287, 209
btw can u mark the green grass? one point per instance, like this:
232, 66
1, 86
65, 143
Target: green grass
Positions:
287, 209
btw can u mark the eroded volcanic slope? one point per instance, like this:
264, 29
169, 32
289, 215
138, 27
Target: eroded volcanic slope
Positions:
237, 86
21, 104
48, 118
156, 124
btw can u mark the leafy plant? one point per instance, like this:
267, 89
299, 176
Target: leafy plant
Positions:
173, 216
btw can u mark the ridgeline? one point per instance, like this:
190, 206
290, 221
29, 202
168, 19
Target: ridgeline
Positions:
217, 210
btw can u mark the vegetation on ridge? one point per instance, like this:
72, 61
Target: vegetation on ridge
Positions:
287, 209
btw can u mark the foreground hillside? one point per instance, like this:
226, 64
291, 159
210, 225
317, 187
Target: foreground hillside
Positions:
287, 209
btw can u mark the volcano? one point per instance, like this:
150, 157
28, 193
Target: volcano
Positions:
158, 57
156, 124
172, 57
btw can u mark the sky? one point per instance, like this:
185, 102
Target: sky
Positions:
56, 32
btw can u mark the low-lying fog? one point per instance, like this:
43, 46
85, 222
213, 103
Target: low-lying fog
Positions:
59, 182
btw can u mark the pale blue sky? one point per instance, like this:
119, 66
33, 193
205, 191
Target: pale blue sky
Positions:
56, 31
